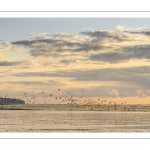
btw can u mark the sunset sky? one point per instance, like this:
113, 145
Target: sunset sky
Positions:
107, 58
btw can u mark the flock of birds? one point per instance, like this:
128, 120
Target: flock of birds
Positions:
79, 101
42, 120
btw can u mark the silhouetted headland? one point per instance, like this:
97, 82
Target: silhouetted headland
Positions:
10, 101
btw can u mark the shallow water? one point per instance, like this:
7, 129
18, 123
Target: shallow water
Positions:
73, 121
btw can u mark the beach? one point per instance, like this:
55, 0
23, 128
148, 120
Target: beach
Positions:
65, 118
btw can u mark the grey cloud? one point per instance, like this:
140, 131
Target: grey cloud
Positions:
66, 61
137, 51
107, 35
136, 75
107, 57
63, 42
7, 63
126, 53
48, 82
147, 32
48, 41
24, 63
97, 33
113, 54
128, 79
140, 32
36, 49
27, 42
106, 71
89, 47
40, 52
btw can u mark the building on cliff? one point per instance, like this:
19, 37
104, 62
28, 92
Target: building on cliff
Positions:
5, 101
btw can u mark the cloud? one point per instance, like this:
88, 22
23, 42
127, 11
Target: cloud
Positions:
103, 34
126, 81
1, 55
24, 63
120, 44
73, 61
30, 42
6, 46
137, 51
66, 61
36, 36
125, 54
39, 83
8, 63
90, 47
107, 57
134, 75
145, 32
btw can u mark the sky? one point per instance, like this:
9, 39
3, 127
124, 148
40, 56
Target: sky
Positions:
88, 58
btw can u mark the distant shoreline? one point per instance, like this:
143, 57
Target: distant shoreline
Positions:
74, 107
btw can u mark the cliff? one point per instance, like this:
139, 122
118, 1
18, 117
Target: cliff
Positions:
4, 101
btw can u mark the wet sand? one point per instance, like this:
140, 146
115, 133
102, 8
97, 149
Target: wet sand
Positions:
73, 121
65, 118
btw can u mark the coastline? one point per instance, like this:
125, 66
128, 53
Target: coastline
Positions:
74, 107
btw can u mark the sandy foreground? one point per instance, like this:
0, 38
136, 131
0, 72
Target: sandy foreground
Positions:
75, 118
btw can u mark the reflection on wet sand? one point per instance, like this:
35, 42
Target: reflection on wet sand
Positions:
73, 121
